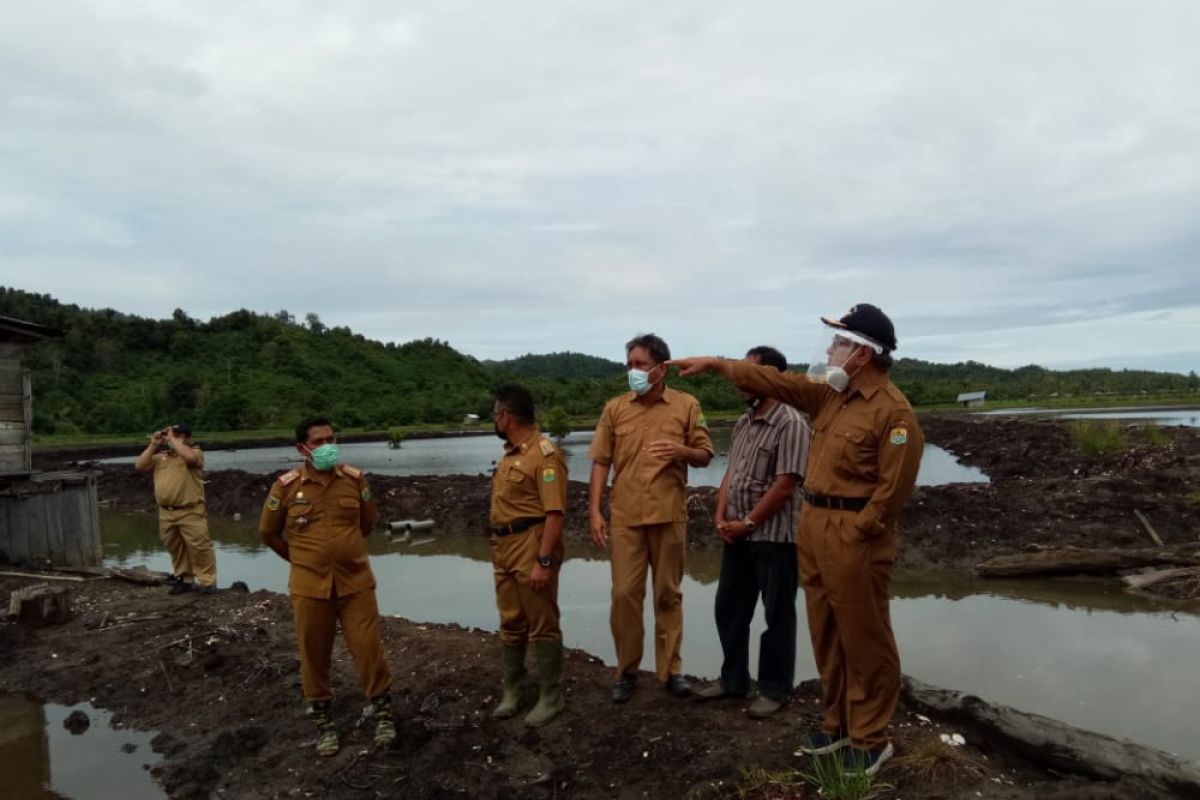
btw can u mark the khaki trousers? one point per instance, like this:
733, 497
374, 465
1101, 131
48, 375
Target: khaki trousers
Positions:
525, 615
316, 620
661, 548
846, 584
184, 532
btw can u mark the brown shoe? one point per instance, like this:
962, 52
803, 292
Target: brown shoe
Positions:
763, 707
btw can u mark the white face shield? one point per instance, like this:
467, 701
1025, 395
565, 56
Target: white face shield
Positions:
828, 364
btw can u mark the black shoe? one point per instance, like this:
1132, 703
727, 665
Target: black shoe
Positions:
622, 690
678, 686
210, 589
180, 587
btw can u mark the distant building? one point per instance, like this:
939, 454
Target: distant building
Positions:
470, 419
971, 399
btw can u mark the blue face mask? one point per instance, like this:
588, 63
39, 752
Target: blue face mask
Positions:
324, 457
639, 380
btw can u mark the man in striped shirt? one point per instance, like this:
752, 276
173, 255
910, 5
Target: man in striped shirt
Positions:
756, 515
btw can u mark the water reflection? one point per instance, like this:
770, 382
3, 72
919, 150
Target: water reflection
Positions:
472, 455
1080, 652
41, 760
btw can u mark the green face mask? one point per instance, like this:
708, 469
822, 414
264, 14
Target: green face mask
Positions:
324, 457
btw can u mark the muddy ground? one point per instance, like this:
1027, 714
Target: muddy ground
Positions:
217, 675
217, 678
1044, 492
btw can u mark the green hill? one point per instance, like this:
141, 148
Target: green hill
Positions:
118, 373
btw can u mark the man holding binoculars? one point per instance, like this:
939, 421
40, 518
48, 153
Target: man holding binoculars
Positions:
182, 520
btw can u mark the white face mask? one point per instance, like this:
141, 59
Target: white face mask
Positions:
835, 376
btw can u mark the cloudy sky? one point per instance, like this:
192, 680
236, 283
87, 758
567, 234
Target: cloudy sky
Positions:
1013, 182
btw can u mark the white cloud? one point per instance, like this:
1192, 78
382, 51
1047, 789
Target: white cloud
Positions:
1012, 183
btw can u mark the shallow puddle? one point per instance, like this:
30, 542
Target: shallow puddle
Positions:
1085, 653
41, 757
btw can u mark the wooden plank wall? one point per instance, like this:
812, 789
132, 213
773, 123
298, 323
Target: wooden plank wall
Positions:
16, 411
52, 516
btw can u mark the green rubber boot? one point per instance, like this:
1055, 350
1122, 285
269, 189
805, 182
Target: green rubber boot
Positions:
513, 659
327, 736
551, 699
385, 727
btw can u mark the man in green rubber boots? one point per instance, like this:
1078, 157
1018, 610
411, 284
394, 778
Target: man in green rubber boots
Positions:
529, 497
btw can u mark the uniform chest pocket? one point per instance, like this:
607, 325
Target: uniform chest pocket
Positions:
762, 469
514, 475
299, 516
858, 449
670, 429
346, 508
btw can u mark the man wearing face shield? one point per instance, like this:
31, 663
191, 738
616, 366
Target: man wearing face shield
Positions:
317, 519
647, 437
862, 466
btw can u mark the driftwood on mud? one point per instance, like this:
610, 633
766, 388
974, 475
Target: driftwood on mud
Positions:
1061, 747
1080, 561
1153, 534
1143, 580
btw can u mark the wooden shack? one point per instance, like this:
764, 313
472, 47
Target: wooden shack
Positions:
44, 516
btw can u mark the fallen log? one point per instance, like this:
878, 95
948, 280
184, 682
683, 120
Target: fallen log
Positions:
139, 575
1141, 771
1080, 561
1143, 580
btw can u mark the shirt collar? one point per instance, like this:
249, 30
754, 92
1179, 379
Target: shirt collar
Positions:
523, 445
870, 383
771, 417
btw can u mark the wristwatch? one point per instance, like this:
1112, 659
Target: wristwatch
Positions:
546, 561
749, 523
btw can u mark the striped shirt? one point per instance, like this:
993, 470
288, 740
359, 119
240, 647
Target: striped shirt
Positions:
764, 448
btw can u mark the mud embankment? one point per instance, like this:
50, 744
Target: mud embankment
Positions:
1044, 493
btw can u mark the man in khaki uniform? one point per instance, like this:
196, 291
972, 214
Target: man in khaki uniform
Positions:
182, 519
866, 451
529, 498
648, 438
316, 518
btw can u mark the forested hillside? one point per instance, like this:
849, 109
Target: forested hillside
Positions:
118, 373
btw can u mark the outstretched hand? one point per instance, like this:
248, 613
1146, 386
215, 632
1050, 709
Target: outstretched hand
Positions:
695, 365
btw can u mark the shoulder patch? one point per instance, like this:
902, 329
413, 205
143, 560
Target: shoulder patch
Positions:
353, 472
548, 475
702, 421
288, 477
272, 503
366, 493
547, 446
899, 435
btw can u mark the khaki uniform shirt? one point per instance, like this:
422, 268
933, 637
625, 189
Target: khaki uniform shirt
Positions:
865, 441
647, 490
529, 480
175, 483
325, 518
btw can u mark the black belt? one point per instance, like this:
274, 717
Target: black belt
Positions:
179, 508
836, 503
517, 525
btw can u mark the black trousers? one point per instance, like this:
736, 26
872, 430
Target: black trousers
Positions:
750, 569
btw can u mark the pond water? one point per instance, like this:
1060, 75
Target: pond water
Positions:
40, 759
1189, 417
1081, 652
472, 455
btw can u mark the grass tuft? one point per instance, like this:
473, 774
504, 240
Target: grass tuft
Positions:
932, 762
825, 774
1095, 437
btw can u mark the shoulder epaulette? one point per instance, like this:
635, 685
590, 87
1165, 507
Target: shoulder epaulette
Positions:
353, 472
288, 477
547, 446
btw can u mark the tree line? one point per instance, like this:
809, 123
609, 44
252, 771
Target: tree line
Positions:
115, 373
